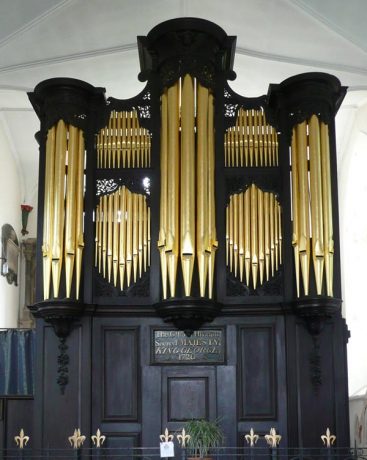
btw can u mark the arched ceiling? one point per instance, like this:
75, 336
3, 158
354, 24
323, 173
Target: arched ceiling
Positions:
95, 40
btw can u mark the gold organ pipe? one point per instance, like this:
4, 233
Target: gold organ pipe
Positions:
48, 211
115, 247
97, 237
79, 212
280, 233
109, 235
251, 136
261, 137
267, 234
235, 232
163, 197
213, 243
140, 233
104, 232
59, 212
109, 143
113, 138
202, 236
135, 230
123, 141
230, 226
304, 228
145, 234
240, 135
245, 138
236, 142
295, 194
276, 238
70, 215
272, 233
254, 235
122, 236
129, 235
247, 240
260, 209
148, 237
241, 236
227, 235
118, 137
187, 208
173, 186
316, 202
327, 207
256, 139
128, 139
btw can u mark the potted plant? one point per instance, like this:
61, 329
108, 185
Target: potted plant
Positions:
204, 435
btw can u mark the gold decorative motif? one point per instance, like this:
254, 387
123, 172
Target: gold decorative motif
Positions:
273, 439
251, 438
183, 438
166, 437
187, 228
122, 236
77, 440
123, 142
98, 439
21, 439
253, 235
328, 439
251, 142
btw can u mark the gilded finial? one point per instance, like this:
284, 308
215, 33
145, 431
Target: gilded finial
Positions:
98, 439
76, 441
328, 439
166, 437
251, 438
183, 437
273, 439
21, 440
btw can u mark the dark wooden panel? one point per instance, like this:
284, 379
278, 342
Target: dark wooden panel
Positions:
61, 413
18, 415
258, 381
187, 399
187, 392
120, 374
122, 440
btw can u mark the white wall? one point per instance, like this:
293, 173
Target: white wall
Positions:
10, 213
353, 234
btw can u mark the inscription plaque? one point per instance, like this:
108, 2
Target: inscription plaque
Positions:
174, 347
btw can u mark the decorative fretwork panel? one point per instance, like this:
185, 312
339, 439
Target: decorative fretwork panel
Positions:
253, 235
122, 244
252, 141
123, 143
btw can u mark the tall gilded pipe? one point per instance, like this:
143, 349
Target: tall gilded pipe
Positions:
241, 235
316, 202
213, 243
79, 212
59, 211
235, 232
163, 197
70, 214
254, 235
140, 232
304, 225
267, 234
247, 239
122, 236
295, 211
109, 235
327, 207
260, 214
115, 247
129, 235
48, 211
187, 195
202, 235
135, 230
173, 164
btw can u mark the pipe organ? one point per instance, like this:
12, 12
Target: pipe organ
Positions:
193, 226
181, 196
